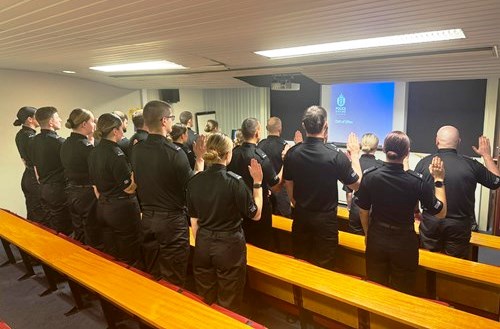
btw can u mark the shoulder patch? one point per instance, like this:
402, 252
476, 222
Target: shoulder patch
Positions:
416, 174
261, 153
369, 170
173, 146
233, 175
118, 151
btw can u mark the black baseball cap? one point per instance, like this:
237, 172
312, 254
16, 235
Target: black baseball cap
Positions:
24, 113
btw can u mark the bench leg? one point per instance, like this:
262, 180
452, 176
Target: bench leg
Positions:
474, 253
77, 296
8, 252
431, 284
363, 319
27, 265
107, 310
51, 279
304, 315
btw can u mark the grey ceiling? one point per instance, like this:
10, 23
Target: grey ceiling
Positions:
216, 39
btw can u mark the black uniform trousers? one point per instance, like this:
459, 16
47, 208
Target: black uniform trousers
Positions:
82, 206
32, 194
55, 205
120, 221
354, 220
281, 203
260, 233
392, 256
447, 235
315, 236
219, 267
165, 245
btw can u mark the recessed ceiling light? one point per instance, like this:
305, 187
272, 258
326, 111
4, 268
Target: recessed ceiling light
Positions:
69, 72
403, 39
142, 66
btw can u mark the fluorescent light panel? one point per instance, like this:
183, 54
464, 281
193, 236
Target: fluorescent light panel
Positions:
69, 72
142, 66
403, 39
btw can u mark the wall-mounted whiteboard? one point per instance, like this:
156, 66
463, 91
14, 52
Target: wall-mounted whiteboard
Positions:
202, 118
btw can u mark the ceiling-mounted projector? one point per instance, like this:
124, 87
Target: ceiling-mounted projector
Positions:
285, 86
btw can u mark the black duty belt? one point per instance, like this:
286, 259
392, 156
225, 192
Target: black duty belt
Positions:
114, 198
220, 233
79, 186
394, 227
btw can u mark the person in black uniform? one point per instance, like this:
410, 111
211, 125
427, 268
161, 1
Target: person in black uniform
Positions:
258, 233
45, 151
140, 131
29, 183
162, 171
180, 136
392, 193
311, 171
452, 234
369, 144
123, 143
118, 211
186, 118
211, 127
75, 152
217, 200
275, 147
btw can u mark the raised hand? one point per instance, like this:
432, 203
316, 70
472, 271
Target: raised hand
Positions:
199, 146
353, 144
298, 138
483, 149
436, 168
255, 171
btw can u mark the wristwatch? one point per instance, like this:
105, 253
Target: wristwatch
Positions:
439, 183
257, 185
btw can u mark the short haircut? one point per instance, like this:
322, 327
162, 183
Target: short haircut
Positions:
185, 116
177, 131
44, 114
138, 119
273, 125
121, 115
369, 142
249, 128
314, 119
154, 111
396, 145
211, 126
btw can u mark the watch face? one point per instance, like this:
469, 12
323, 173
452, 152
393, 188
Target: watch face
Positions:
438, 184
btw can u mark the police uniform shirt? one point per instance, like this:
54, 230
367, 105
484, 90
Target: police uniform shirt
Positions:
392, 193
161, 171
273, 146
139, 136
45, 150
75, 152
462, 175
192, 136
23, 138
219, 199
366, 161
189, 153
314, 167
123, 144
241, 160
109, 170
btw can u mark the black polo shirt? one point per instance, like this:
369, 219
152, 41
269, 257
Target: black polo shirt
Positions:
241, 160
45, 151
219, 199
109, 170
392, 194
366, 161
315, 167
190, 154
23, 138
139, 136
161, 171
192, 136
123, 144
273, 146
75, 153
462, 175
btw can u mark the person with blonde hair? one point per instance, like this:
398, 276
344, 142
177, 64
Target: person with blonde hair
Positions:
118, 210
217, 200
369, 145
74, 154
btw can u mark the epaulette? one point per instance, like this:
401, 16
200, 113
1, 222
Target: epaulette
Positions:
283, 142
331, 147
416, 174
174, 147
369, 170
261, 153
86, 142
118, 151
232, 174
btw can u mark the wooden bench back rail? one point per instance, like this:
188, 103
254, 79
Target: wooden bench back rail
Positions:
156, 305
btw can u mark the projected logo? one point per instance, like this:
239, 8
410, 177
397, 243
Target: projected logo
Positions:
340, 109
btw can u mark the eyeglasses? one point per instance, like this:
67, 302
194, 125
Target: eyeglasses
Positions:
169, 117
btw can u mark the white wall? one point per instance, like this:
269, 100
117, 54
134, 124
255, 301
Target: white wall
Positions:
20, 88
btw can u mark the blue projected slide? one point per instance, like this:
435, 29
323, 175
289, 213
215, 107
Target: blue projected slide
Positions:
360, 108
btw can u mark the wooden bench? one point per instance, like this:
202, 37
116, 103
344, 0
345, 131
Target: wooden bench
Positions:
152, 303
464, 283
347, 300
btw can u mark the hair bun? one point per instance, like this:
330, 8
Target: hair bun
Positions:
69, 124
211, 156
391, 155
